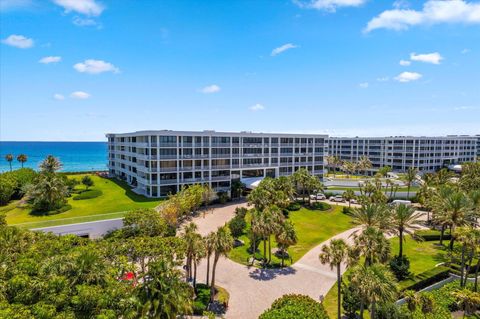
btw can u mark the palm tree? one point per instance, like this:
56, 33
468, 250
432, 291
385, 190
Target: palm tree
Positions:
22, 158
272, 221
222, 245
469, 237
199, 253
50, 164
455, 212
372, 244
190, 236
412, 300
349, 194
237, 188
301, 178
376, 284
286, 237
371, 215
334, 254
162, 294
9, 159
404, 221
209, 242
468, 300
410, 177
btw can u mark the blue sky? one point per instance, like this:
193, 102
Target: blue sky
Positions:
75, 70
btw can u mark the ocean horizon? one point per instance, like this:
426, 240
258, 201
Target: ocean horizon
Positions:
75, 156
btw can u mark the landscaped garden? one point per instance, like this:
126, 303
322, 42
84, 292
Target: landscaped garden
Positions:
312, 226
72, 198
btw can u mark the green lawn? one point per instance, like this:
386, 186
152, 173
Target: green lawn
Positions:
117, 198
423, 256
400, 189
312, 227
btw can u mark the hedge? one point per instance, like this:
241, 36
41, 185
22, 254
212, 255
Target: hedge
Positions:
321, 206
295, 307
432, 235
294, 206
93, 193
425, 279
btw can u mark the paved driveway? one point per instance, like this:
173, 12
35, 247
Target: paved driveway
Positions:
252, 290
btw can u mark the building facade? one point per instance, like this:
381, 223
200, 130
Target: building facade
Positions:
157, 163
427, 154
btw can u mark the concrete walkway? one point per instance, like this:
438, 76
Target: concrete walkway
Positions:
252, 290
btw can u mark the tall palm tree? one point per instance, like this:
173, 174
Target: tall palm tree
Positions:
222, 245
9, 159
404, 221
365, 163
190, 236
198, 254
469, 238
334, 254
286, 237
272, 221
50, 164
410, 177
348, 195
22, 158
372, 244
455, 212
209, 242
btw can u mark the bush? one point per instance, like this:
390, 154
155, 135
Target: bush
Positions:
400, 267
202, 299
60, 210
347, 210
432, 235
237, 225
321, 206
223, 197
222, 296
294, 206
93, 193
241, 212
425, 279
7, 188
295, 307
350, 300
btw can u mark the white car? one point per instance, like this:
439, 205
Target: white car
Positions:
337, 198
353, 201
318, 196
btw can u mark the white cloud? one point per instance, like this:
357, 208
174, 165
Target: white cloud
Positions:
86, 7
433, 58
257, 107
328, 5
95, 67
404, 62
433, 12
383, 79
58, 97
210, 89
364, 85
465, 108
50, 59
18, 41
283, 48
401, 4
80, 95
84, 22
408, 76
465, 51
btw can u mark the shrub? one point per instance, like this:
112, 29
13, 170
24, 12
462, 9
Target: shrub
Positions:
350, 300
222, 296
425, 279
237, 225
400, 267
241, 212
321, 206
92, 193
87, 181
294, 206
7, 188
347, 210
48, 193
432, 235
223, 197
60, 210
202, 299
295, 307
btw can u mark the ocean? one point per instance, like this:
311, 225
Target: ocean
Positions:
75, 156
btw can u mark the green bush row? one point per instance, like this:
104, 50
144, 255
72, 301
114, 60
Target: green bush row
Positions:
92, 193
425, 278
431, 235
295, 307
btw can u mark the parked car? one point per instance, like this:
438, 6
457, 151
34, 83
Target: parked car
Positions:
353, 201
397, 202
318, 196
337, 198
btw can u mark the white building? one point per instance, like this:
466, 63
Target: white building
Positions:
156, 163
427, 154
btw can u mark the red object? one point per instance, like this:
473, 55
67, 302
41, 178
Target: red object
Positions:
128, 276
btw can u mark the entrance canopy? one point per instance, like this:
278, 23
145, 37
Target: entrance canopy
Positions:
251, 182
